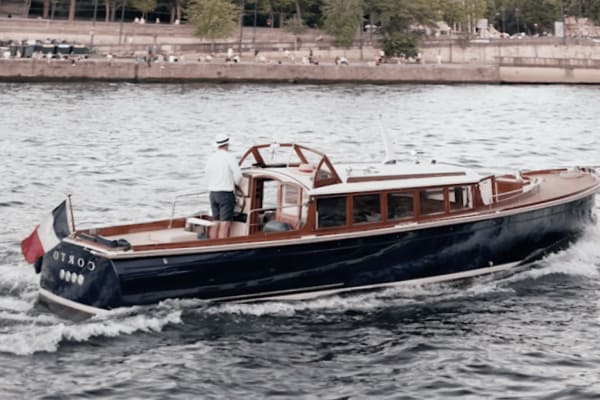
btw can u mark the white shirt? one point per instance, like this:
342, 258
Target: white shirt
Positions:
222, 171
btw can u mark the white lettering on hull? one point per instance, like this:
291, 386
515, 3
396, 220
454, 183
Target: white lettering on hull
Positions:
70, 259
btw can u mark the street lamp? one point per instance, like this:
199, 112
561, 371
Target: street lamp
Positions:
517, 17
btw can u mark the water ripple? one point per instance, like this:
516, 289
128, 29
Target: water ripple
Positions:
124, 150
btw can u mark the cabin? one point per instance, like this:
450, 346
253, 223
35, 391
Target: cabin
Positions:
291, 191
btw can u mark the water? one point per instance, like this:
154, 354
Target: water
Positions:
123, 151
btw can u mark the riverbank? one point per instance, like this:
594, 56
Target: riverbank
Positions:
126, 70
274, 55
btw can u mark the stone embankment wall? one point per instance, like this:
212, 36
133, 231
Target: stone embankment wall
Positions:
21, 70
57, 70
490, 51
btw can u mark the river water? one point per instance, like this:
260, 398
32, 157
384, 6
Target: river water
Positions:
123, 151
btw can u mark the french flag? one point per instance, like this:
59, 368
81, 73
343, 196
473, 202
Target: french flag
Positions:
49, 233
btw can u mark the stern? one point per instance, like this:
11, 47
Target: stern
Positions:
74, 278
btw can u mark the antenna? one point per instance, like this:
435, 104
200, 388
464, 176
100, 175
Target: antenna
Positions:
387, 143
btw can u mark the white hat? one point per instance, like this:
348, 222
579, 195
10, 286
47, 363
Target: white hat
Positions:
221, 140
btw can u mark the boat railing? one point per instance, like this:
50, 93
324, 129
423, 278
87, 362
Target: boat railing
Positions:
179, 196
533, 186
506, 196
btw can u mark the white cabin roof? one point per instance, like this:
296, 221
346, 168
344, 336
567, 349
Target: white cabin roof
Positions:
378, 176
367, 177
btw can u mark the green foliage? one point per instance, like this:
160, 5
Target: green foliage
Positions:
400, 15
462, 14
277, 6
537, 16
532, 16
342, 19
145, 6
308, 12
400, 44
212, 19
295, 25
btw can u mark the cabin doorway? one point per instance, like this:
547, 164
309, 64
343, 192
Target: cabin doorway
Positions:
276, 206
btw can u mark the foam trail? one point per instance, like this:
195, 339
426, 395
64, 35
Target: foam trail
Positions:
352, 301
44, 334
17, 279
581, 259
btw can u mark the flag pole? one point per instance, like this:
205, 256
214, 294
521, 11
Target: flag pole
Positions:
71, 211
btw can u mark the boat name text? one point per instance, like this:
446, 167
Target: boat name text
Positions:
71, 259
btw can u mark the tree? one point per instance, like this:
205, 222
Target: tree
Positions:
46, 8
26, 8
532, 16
177, 7
538, 16
272, 7
144, 6
400, 22
342, 19
284, 8
400, 44
402, 15
72, 6
212, 19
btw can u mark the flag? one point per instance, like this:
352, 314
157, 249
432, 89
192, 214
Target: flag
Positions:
48, 233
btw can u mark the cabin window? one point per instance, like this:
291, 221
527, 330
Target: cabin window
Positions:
331, 211
290, 195
366, 208
459, 197
290, 209
400, 205
324, 172
269, 194
431, 201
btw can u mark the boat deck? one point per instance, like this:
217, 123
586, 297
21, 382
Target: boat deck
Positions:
554, 186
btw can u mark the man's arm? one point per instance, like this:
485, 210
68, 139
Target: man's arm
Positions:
235, 170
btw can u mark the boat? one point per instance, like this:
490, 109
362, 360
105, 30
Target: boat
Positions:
306, 227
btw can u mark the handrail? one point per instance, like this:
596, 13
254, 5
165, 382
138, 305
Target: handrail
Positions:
175, 201
505, 196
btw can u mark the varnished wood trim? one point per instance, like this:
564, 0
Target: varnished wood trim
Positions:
402, 176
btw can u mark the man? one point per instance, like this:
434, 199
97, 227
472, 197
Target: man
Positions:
222, 173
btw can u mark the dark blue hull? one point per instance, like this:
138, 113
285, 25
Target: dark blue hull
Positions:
73, 273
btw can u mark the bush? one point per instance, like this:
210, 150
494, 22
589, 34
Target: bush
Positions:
295, 25
400, 45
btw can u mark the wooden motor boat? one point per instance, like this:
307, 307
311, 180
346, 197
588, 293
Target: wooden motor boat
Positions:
306, 227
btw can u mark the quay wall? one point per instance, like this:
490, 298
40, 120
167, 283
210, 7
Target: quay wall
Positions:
32, 70
22, 70
465, 52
